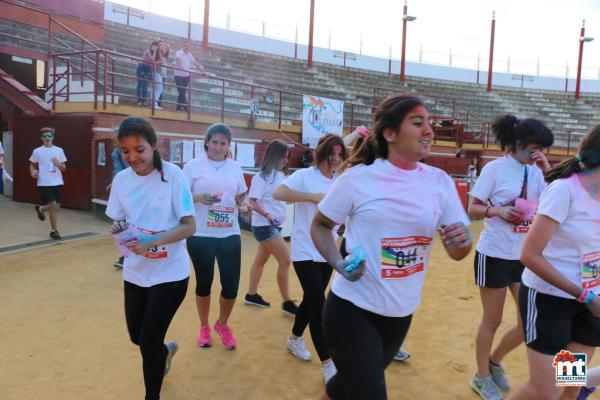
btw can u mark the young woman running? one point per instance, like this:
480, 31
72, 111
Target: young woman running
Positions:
306, 187
218, 188
268, 215
558, 299
394, 206
152, 198
355, 140
517, 175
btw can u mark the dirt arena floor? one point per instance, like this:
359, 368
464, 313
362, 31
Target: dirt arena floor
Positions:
63, 335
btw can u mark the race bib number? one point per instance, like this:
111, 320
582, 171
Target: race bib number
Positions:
402, 257
522, 227
155, 252
220, 217
590, 263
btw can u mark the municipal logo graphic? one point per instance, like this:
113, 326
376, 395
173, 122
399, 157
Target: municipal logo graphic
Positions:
571, 368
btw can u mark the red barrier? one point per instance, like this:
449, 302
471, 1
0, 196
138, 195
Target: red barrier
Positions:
462, 187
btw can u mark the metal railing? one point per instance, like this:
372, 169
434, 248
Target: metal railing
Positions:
111, 75
452, 121
53, 27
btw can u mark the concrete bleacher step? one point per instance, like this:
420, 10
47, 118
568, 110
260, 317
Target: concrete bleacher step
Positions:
277, 73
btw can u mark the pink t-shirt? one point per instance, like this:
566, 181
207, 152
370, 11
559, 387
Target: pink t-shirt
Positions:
184, 61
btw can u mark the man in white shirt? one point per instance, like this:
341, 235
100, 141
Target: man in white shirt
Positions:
47, 163
185, 60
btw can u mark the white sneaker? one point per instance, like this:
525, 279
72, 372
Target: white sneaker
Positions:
298, 349
329, 371
157, 107
402, 355
486, 388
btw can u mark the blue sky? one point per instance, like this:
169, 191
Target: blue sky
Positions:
525, 29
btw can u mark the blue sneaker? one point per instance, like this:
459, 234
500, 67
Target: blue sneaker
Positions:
585, 392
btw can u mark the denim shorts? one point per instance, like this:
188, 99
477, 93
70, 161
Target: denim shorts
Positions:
266, 233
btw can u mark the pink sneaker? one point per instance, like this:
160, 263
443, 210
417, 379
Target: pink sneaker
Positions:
204, 339
226, 334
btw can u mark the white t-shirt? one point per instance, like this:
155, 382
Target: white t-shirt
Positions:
574, 249
184, 61
500, 182
48, 173
394, 214
1, 149
262, 191
153, 206
221, 219
309, 180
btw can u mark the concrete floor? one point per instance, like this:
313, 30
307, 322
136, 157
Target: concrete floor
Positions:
19, 224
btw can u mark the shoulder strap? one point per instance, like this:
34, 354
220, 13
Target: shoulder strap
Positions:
523, 193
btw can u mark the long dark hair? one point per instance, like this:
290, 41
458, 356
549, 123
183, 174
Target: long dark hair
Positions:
390, 114
509, 130
276, 150
157, 53
325, 147
138, 126
587, 158
217, 129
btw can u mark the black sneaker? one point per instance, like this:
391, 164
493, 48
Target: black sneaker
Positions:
119, 263
40, 213
289, 307
54, 235
256, 300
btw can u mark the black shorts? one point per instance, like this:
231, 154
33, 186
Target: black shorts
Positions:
550, 323
495, 272
50, 194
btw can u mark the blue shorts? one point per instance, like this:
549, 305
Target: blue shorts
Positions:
266, 233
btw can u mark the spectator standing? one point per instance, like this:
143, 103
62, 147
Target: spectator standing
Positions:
144, 73
184, 61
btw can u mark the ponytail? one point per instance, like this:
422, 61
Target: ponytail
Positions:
504, 128
157, 162
587, 158
563, 170
511, 130
390, 114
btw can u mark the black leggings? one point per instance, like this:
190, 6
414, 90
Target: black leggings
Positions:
228, 252
314, 277
148, 312
362, 345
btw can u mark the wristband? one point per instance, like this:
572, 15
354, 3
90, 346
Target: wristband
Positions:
485, 215
586, 296
582, 296
589, 298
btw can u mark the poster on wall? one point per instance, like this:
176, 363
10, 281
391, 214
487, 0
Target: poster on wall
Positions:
245, 154
102, 154
198, 148
321, 116
232, 146
175, 151
188, 150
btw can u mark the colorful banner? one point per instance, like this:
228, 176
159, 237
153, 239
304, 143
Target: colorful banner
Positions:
321, 116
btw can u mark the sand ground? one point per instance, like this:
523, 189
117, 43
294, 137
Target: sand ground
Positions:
63, 333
